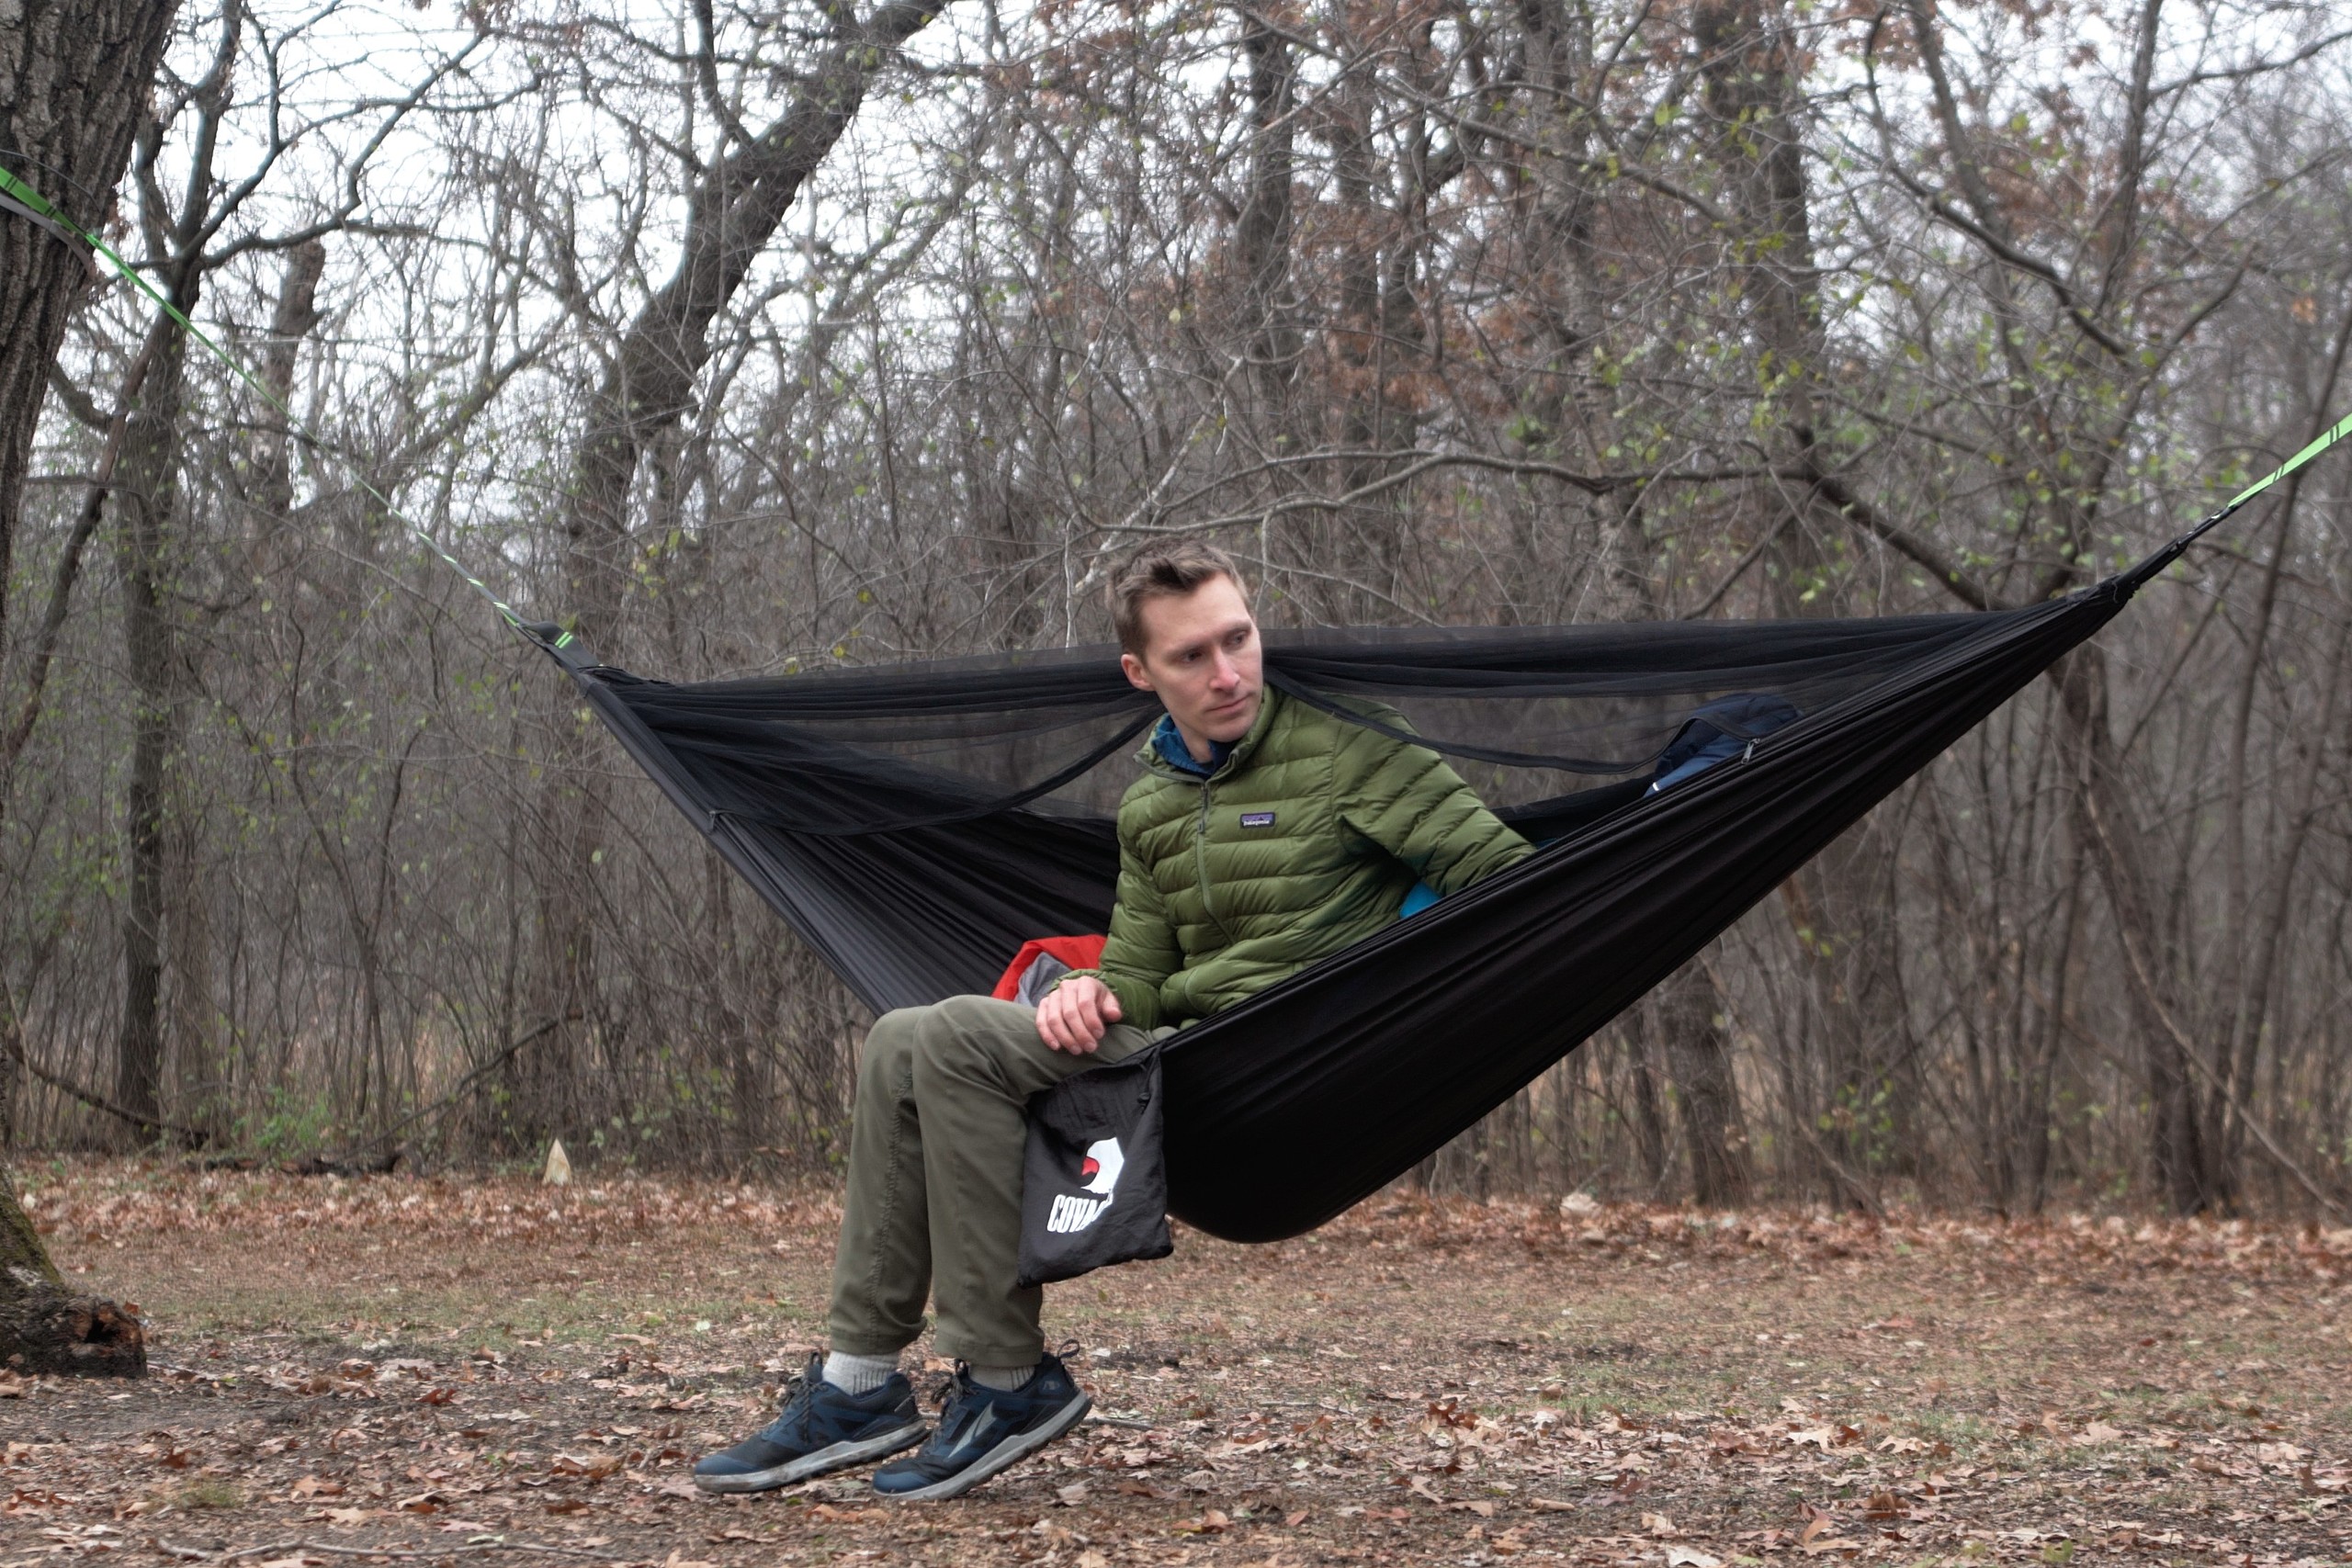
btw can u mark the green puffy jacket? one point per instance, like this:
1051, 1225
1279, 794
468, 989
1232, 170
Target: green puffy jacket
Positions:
1306, 839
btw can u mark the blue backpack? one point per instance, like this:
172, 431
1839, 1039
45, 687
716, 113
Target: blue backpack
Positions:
1715, 733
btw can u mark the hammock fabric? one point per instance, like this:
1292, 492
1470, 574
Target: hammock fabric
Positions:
917, 824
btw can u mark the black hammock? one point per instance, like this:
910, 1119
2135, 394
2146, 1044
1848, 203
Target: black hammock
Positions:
917, 823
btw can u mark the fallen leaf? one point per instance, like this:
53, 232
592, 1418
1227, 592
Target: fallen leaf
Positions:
1688, 1557
318, 1486
1073, 1495
1142, 1489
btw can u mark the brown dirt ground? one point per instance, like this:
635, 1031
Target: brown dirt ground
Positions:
406, 1371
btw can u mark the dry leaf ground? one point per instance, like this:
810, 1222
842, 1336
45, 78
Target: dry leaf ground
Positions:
491, 1371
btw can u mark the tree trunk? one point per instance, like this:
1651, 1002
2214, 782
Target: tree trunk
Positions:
44, 1328
270, 498
1359, 545
71, 76
733, 208
2177, 1150
1263, 234
145, 501
1698, 1055
1842, 911
1649, 1109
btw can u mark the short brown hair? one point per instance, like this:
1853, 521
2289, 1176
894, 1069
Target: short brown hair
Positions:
1164, 568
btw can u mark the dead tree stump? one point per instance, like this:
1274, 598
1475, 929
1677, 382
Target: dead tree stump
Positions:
45, 1327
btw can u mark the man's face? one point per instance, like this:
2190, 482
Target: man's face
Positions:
1200, 656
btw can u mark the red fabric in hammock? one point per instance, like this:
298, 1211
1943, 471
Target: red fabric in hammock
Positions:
1078, 952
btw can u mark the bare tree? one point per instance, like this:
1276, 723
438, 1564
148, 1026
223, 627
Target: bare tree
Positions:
736, 198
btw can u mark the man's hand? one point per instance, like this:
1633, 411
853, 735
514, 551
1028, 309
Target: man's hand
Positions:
1075, 1013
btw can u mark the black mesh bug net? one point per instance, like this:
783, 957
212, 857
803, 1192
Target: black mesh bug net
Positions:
917, 823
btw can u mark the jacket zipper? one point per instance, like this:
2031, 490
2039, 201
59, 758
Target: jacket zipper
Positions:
1201, 862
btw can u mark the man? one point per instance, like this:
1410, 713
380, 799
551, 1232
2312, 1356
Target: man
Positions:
1263, 835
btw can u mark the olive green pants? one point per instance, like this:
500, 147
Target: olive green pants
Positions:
933, 1206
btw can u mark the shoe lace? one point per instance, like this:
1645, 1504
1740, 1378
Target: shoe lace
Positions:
799, 1396
956, 1393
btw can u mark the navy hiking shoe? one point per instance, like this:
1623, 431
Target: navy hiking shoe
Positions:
983, 1430
822, 1429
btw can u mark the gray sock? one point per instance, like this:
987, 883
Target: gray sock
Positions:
1005, 1378
859, 1374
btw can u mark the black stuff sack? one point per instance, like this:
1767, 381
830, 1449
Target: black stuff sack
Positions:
1094, 1179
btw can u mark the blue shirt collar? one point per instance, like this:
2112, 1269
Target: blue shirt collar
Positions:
1169, 741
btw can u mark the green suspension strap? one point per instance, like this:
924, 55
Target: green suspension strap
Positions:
2327, 438
2163, 557
20, 199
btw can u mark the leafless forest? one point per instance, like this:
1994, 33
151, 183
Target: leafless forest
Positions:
750, 338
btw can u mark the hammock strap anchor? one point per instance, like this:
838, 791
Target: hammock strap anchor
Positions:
17, 196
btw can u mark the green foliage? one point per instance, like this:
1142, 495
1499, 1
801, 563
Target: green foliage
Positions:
289, 1124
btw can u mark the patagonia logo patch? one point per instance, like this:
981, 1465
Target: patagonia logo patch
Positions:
1257, 819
